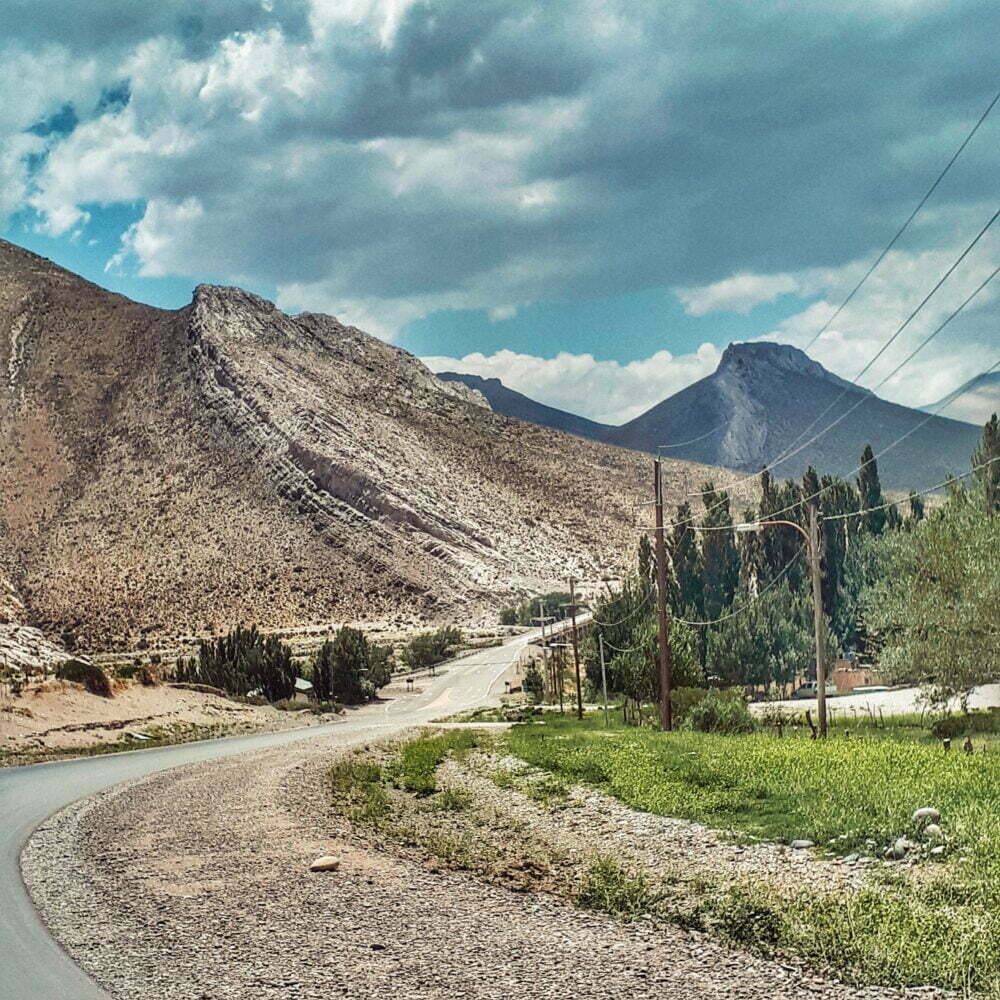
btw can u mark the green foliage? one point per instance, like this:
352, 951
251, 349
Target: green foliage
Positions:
361, 785
870, 492
610, 888
935, 604
683, 699
988, 454
533, 683
418, 760
720, 712
720, 560
966, 724
554, 603
350, 669
430, 648
747, 916
241, 662
91, 676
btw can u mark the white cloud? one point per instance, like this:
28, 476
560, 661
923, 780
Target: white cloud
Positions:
740, 293
606, 391
895, 289
382, 159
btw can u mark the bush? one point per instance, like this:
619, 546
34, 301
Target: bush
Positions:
91, 676
430, 648
953, 726
148, 677
683, 699
532, 684
720, 712
241, 662
350, 669
609, 888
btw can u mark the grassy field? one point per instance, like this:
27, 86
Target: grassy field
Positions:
940, 925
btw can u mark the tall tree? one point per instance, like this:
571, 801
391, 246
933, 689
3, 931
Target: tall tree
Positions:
870, 493
988, 456
935, 604
720, 559
686, 561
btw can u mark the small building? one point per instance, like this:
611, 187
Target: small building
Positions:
849, 674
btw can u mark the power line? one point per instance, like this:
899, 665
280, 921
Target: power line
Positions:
631, 649
930, 489
700, 437
631, 614
753, 600
791, 451
905, 226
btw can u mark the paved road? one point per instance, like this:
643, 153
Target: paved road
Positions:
32, 964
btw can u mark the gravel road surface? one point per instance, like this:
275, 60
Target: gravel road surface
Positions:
193, 883
33, 965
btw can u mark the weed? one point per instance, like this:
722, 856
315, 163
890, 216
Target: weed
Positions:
611, 889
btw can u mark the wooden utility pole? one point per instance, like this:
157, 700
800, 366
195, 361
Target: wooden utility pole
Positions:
545, 651
666, 715
576, 651
604, 680
815, 553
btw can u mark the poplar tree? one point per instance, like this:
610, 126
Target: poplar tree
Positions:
870, 492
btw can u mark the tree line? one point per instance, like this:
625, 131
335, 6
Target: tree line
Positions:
914, 589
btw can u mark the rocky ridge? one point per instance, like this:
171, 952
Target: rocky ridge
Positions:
176, 472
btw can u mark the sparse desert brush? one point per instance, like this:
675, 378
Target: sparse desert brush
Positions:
92, 677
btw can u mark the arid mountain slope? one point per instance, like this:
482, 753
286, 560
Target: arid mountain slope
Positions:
767, 400
516, 404
177, 472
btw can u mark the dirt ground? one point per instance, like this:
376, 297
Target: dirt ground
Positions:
61, 716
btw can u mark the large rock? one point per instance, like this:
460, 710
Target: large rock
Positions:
327, 863
928, 814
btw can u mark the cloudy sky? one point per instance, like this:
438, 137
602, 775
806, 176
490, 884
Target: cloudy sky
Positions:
586, 198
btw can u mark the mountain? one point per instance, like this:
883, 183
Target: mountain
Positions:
521, 407
975, 401
175, 472
759, 401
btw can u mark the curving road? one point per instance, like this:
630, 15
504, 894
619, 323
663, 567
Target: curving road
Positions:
33, 966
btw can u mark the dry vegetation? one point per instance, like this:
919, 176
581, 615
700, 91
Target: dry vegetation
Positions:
174, 473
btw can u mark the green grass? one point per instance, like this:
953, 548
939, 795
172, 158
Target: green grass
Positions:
415, 766
940, 928
361, 784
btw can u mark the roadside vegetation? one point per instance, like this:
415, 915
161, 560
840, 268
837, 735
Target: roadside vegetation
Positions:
555, 604
854, 798
928, 919
426, 650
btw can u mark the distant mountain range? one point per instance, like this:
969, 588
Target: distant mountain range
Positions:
754, 408
976, 400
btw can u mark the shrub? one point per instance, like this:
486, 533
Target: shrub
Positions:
533, 685
148, 677
683, 699
91, 676
349, 669
953, 726
611, 889
747, 917
430, 648
720, 712
241, 662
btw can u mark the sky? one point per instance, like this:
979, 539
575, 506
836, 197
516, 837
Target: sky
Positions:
586, 198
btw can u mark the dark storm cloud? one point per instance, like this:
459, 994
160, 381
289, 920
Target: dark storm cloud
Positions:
500, 152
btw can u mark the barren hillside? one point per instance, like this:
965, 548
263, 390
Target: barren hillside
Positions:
177, 472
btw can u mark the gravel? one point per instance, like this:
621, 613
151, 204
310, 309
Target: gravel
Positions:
194, 883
